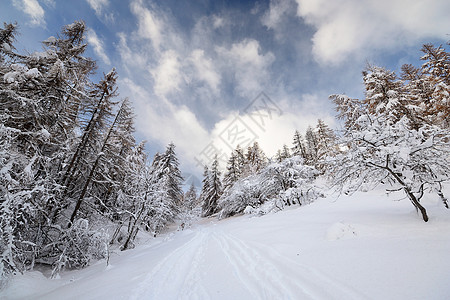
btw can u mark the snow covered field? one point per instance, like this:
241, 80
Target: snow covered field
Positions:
367, 246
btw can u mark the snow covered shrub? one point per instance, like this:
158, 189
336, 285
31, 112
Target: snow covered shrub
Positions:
279, 184
13, 247
245, 192
79, 245
300, 196
291, 173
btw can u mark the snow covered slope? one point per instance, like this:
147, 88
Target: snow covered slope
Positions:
368, 246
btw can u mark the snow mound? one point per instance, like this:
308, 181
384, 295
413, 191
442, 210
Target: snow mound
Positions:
340, 231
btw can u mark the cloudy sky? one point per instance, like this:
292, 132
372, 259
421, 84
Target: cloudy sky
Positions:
208, 74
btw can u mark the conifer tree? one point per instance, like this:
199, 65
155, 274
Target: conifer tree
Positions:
326, 138
234, 168
133, 198
298, 148
190, 197
41, 101
255, 160
166, 193
312, 146
387, 143
213, 190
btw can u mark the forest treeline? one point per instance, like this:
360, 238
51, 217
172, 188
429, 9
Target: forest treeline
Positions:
74, 182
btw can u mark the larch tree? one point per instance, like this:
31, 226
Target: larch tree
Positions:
312, 146
255, 160
234, 168
298, 146
384, 144
41, 96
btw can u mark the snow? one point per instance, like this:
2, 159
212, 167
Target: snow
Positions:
50, 40
6, 47
45, 134
365, 246
32, 73
10, 77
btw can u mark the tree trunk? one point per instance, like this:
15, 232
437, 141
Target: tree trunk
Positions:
410, 195
91, 174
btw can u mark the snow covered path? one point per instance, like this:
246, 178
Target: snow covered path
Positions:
361, 247
197, 270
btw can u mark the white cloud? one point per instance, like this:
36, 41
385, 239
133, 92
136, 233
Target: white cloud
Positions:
187, 86
150, 26
132, 59
50, 3
167, 74
98, 5
275, 13
32, 9
345, 28
218, 22
249, 64
167, 123
204, 69
97, 43
278, 128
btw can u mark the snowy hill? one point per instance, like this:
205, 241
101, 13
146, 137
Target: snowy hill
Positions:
367, 246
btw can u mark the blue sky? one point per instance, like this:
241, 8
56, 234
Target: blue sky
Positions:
195, 70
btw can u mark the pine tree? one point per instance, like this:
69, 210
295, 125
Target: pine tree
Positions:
97, 131
205, 185
190, 197
102, 157
436, 74
166, 193
213, 191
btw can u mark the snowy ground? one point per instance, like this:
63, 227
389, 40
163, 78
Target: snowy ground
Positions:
368, 246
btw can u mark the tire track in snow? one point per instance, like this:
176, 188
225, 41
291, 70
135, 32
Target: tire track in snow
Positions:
177, 275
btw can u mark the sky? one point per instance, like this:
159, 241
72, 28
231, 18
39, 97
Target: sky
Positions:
208, 75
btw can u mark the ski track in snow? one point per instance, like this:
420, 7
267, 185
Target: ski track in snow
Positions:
260, 274
261, 278
179, 270
181, 274
309, 279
